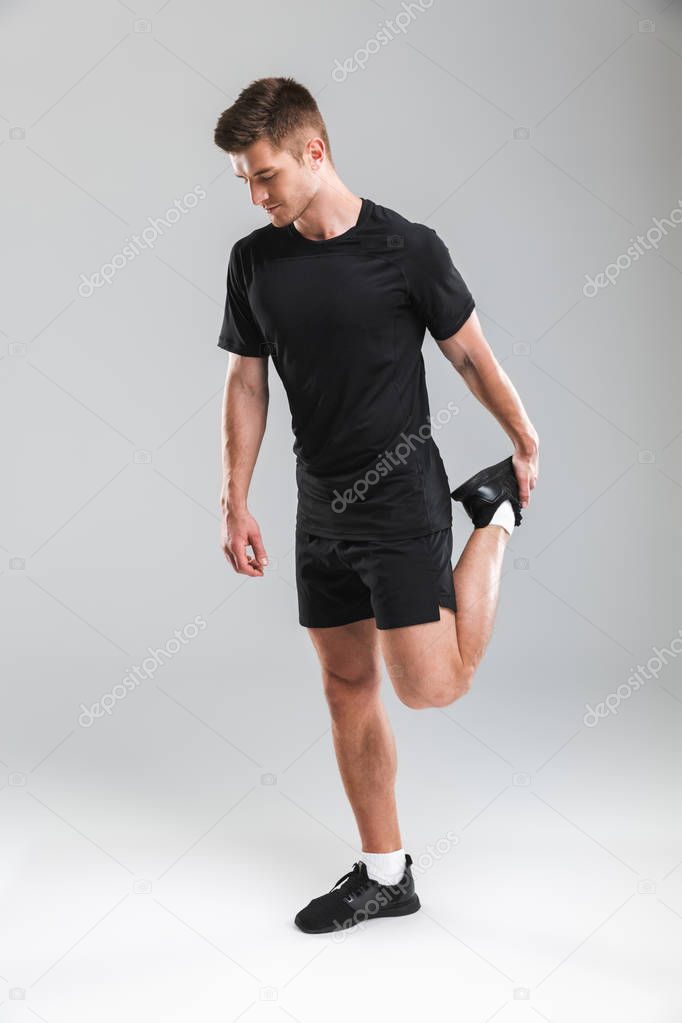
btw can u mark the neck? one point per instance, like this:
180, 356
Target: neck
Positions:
333, 210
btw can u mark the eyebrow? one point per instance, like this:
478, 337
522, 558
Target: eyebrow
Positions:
257, 173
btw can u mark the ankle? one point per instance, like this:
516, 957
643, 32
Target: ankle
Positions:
385, 867
504, 517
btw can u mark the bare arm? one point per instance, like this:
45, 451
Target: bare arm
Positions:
472, 357
245, 410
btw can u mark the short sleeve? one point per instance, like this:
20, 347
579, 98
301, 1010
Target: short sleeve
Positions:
240, 332
437, 288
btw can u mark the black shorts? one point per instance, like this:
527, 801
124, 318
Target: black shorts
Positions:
397, 582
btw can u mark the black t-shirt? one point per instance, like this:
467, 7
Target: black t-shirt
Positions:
343, 320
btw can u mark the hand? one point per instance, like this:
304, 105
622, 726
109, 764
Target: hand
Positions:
237, 533
525, 464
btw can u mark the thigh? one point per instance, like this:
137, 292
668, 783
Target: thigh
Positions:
417, 655
413, 596
330, 592
409, 580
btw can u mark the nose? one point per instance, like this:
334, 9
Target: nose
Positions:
258, 196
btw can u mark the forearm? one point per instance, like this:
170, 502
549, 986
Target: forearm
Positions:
243, 426
490, 384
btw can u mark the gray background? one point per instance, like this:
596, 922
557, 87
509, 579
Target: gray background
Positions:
151, 864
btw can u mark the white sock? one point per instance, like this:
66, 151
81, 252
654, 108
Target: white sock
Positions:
504, 516
387, 868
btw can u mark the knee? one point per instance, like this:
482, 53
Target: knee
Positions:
439, 692
459, 686
342, 689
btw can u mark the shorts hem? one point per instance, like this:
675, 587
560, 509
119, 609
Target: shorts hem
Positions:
419, 619
334, 625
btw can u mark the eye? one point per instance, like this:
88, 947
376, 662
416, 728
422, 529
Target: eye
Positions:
269, 178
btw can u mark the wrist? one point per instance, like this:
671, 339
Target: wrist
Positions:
232, 501
527, 444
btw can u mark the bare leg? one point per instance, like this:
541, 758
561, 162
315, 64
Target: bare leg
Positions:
477, 588
433, 664
363, 739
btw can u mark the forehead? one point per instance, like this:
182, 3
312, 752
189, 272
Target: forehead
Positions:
258, 157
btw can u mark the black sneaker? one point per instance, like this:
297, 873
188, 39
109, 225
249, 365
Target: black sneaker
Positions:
358, 899
483, 494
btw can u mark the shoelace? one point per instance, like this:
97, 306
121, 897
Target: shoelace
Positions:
355, 872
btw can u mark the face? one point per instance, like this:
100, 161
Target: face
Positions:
276, 182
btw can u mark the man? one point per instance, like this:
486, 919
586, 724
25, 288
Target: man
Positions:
338, 291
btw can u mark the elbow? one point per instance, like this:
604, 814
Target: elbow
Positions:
257, 394
249, 384
463, 363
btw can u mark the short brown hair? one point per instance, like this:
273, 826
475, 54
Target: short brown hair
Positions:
277, 109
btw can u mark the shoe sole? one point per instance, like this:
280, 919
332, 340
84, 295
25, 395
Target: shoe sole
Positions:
403, 909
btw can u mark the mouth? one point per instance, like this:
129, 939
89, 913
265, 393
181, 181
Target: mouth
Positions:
269, 209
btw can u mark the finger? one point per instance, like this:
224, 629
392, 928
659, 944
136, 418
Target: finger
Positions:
524, 491
521, 482
239, 552
255, 564
228, 556
258, 549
